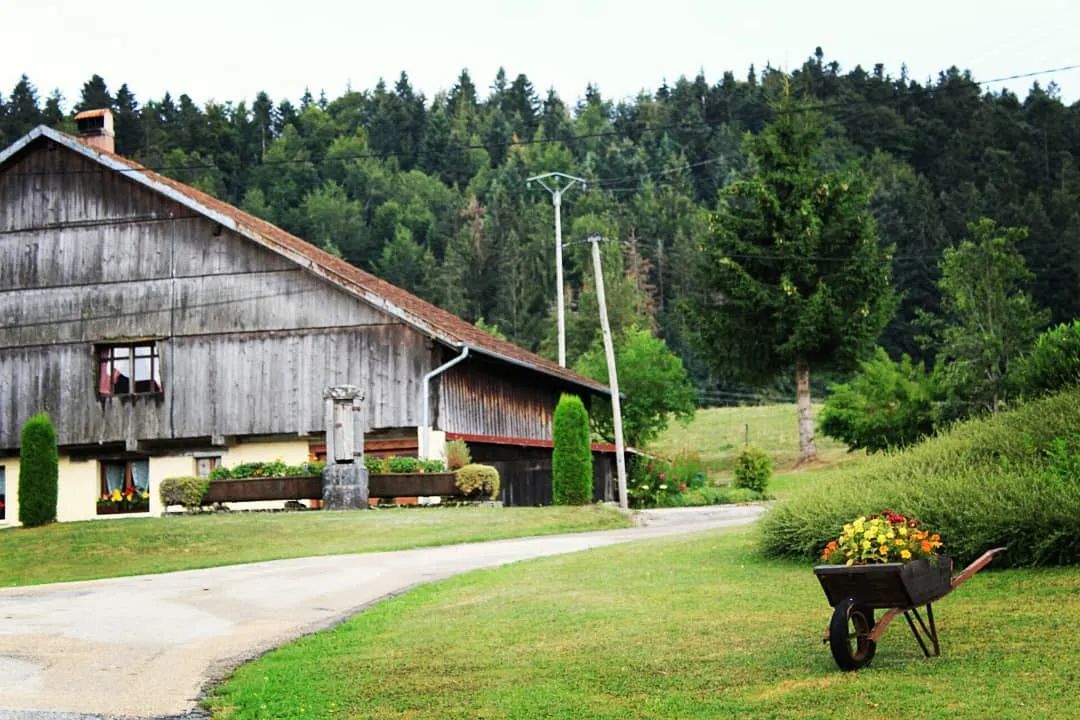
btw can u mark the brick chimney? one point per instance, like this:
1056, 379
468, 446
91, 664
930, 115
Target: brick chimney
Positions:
96, 129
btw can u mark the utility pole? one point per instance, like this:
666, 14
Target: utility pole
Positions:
556, 200
613, 377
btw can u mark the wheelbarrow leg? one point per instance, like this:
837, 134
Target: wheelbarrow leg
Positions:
929, 632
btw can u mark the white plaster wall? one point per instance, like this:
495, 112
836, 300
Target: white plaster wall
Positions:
79, 488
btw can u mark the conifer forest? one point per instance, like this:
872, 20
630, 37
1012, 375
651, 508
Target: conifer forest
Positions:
430, 193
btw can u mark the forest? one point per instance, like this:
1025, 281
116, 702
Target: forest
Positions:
431, 193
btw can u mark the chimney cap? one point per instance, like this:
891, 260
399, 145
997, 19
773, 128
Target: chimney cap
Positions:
86, 114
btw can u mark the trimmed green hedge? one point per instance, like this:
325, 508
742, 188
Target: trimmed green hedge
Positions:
39, 462
571, 458
1008, 479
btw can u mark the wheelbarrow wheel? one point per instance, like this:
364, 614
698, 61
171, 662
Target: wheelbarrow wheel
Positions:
848, 630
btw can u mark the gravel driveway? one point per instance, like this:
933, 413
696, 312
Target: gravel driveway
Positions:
146, 646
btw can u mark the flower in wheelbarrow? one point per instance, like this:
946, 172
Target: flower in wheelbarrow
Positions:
887, 536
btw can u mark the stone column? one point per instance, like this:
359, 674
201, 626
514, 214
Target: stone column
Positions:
345, 479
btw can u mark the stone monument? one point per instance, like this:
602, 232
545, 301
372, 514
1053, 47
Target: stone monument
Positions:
345, 479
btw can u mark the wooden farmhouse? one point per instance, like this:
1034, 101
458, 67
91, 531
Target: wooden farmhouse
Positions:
166, 332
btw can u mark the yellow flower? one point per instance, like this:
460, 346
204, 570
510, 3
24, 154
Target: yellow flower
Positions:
884, 549
850, 562
906, 555
903, 531
865, 544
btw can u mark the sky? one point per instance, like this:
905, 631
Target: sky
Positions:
230, 49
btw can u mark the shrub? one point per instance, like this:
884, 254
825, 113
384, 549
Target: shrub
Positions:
402, 464
261, 469
375, 465
39, 462
1053, 363
571, 458
186, 491
477, 479
753, 468
1003, 480
457, 454
432, 466
886, 405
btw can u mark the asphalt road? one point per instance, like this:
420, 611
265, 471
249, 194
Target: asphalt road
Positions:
147, 646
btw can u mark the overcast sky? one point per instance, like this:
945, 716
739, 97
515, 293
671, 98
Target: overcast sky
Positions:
229, 50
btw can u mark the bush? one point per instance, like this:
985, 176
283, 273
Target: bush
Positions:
571, 458
432, 466
1053, 363
186, 491
478, 479
402, 464
39, 462
887, 405
457, 454
1004, 480
753, 468
375, 465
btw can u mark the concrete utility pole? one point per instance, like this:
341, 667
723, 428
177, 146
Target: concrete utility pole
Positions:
613, 376
556, 200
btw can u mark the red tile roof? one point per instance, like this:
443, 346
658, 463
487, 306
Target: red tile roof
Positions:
428, 318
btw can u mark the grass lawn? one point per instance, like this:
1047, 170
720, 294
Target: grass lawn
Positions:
717, 435
681, 628
96, 549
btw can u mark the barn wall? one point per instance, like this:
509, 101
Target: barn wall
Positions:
247, 339
482, 398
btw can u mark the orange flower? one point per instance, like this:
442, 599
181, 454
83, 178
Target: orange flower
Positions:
926, 546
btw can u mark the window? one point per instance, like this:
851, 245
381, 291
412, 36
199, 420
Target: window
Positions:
133, 369
125, 487
3, 493
205, 465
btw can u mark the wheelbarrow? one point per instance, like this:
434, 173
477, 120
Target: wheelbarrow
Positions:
856, 591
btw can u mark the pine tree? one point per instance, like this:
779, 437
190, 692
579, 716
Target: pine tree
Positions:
793, 273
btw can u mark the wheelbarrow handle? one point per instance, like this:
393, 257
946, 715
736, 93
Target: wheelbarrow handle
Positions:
982, 561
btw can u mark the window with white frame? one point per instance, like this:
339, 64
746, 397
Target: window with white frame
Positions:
129, 369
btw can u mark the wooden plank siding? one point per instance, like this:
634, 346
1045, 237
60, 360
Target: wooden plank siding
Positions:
247, 339
481, 398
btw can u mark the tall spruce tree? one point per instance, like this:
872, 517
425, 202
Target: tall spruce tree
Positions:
793, 274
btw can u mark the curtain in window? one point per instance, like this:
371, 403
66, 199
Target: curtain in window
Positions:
114, 477
105, 376
140, 475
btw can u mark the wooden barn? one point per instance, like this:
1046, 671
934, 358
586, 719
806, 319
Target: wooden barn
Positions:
166, 332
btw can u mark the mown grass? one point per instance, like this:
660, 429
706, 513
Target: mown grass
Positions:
87, 550
699, 628
985, 483
718, 434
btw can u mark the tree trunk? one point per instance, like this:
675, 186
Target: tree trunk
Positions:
807, 449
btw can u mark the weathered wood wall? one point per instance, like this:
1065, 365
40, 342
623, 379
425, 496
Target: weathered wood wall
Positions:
248, 340
478, 397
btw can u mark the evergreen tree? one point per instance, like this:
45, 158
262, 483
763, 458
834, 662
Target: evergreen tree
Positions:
94, 96
571, 456
22, 113
793, 272
38, 472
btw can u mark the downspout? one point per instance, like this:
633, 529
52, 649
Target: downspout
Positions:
425, 412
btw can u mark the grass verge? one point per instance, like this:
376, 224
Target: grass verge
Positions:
97, 549
699, 628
